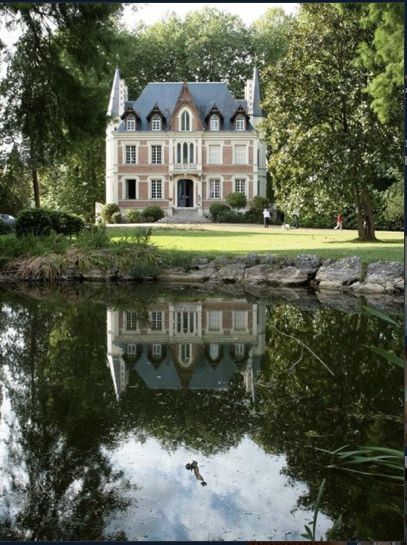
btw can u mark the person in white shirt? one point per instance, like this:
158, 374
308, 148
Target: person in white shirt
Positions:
266, 217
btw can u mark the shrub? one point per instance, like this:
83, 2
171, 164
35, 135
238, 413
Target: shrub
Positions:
40, 222
94, 237
116, 217
66, 224
259, 203
108, 210
216, 209
153, 213
4, 228
230, 216
134, 216
236, 200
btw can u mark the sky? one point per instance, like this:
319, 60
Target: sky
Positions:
154, 12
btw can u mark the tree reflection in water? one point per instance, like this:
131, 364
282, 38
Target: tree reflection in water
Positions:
61, 417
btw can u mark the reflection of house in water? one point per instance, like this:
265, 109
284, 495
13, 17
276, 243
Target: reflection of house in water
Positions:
196, 345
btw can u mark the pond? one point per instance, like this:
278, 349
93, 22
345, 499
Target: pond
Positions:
107, 393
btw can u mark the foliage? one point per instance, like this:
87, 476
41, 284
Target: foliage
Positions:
116, 217
256, 207
15, 186
384, 55
217, 209
271, 36
134, 216
328, 148
236, 200
311, 533
93, 237
152, 213
40, 222
108, 210
394, 207
230, 216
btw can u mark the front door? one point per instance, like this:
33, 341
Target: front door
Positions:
185, 193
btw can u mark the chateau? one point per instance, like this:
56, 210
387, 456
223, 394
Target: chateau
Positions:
183, 146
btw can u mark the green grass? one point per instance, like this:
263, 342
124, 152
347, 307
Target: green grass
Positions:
214, 240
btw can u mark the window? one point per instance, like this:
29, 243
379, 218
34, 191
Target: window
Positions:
185, 122
214, 124
239, 349
240, 122
131, 349
131, 321
185, 152
240, 155
131, 123
214, 320
156, 350
185, 353
185, 322
240, 185
156, 189
156, 122
240, 320
131, 192
214, 155
214, 188
214, 351
156, 321
130, 155
156, 155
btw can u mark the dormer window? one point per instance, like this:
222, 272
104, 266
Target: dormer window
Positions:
156, 122
130, 123
214, 124
185, 122
240, 122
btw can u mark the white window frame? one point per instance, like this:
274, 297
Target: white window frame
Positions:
194, 155
159, 316
126, 162
180, 120
240, 145
240, 122
133, 320
185, 347
156, 350
154, 155
214, 347
211, 160
156, 122
131, 349
131, 122
209, 183
239, 349
239, 179
214, 122
151, 182
219, 319
245, 320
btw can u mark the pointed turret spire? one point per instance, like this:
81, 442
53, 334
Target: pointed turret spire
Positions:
118, 96
256, 95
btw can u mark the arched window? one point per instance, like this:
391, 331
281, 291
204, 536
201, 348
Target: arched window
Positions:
131, 123
185, 153
214, 351
179, 153
240, 122
156, 122
185, 122
214, 124
191, 153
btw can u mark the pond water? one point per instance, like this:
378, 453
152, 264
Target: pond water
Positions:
107, 393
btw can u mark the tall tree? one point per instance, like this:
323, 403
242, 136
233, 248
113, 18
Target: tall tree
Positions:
271, 36
52, 96
327, 144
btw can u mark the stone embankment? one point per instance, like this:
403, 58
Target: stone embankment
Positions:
253, 271
347, 274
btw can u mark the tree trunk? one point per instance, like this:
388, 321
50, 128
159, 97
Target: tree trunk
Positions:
36, 187
366, 228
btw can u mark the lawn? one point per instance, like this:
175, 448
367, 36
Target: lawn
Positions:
213, 240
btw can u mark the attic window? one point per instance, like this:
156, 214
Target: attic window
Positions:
214, 124
185, 122
131, 123
240, 122
156, 122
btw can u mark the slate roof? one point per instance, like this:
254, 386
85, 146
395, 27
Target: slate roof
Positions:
204, 94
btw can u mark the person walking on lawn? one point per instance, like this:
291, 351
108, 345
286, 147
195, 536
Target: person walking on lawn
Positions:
339, 222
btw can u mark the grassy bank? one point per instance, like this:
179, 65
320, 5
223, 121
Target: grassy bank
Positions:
213, 240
